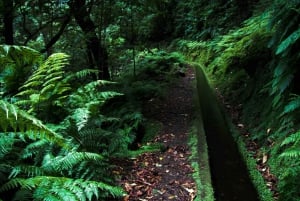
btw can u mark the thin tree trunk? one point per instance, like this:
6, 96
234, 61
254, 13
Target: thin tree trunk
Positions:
8, 22
97, 54
56, 37
243, 8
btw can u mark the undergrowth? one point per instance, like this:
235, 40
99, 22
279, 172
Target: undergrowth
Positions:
61, 131
255, 68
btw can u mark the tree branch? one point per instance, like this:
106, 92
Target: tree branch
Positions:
57, 35
33, 34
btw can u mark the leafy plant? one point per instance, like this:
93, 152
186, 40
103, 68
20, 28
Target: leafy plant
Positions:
16, 65
46, 89
285, 42
289, 166
59, 166
154, 70
55, 161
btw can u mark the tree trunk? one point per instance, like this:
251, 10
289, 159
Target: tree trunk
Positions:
97, 54
243, 9
8, 18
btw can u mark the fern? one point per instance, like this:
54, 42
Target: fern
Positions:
90, 93
16, 64
81, 117
61, 188
6, 143
29, 171
285, 42
61, 163
23, 195
292, 106
281, 83
292, 139
83, 74
291, 153
290, 40
290, 167
87, 101
14, 118
46, 88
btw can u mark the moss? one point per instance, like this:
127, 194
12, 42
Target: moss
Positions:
258, 181
199, 157
200, 163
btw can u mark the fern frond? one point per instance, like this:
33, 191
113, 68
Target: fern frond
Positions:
290, 40
7, 112
67, 162
280, 69
55, 74
47, 84
281, 83
292, 139
32, 83
12, 117
29, 171
293, 105
26, 93
62, 90
34, 148
292, 153
62, 187
8, 53
16, 64
23, 195
105, 95
6, 143
81, 117
52, 80
82, 74
47, 88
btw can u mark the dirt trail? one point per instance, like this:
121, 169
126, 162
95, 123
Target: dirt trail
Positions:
166, 175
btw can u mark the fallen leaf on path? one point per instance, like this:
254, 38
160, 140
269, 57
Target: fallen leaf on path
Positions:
265, 158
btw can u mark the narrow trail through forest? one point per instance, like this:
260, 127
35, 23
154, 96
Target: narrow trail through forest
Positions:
166, 175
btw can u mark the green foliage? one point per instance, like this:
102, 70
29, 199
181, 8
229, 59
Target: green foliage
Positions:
238, 50
205, 20
70, 166
23, 124
198, 51
62, 188
255, 67
6, 144
59, 161
271, 64
289, 166
90, 96
46, 89
289, 41
233, 59
285, 42
94, 131
16, 63
154, 70
293, 106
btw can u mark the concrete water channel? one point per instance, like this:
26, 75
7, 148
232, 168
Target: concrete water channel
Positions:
230, 178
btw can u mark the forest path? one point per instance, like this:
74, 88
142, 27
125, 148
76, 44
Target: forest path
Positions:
166, 175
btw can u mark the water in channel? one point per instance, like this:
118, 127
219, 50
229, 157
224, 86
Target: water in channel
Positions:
230, 177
